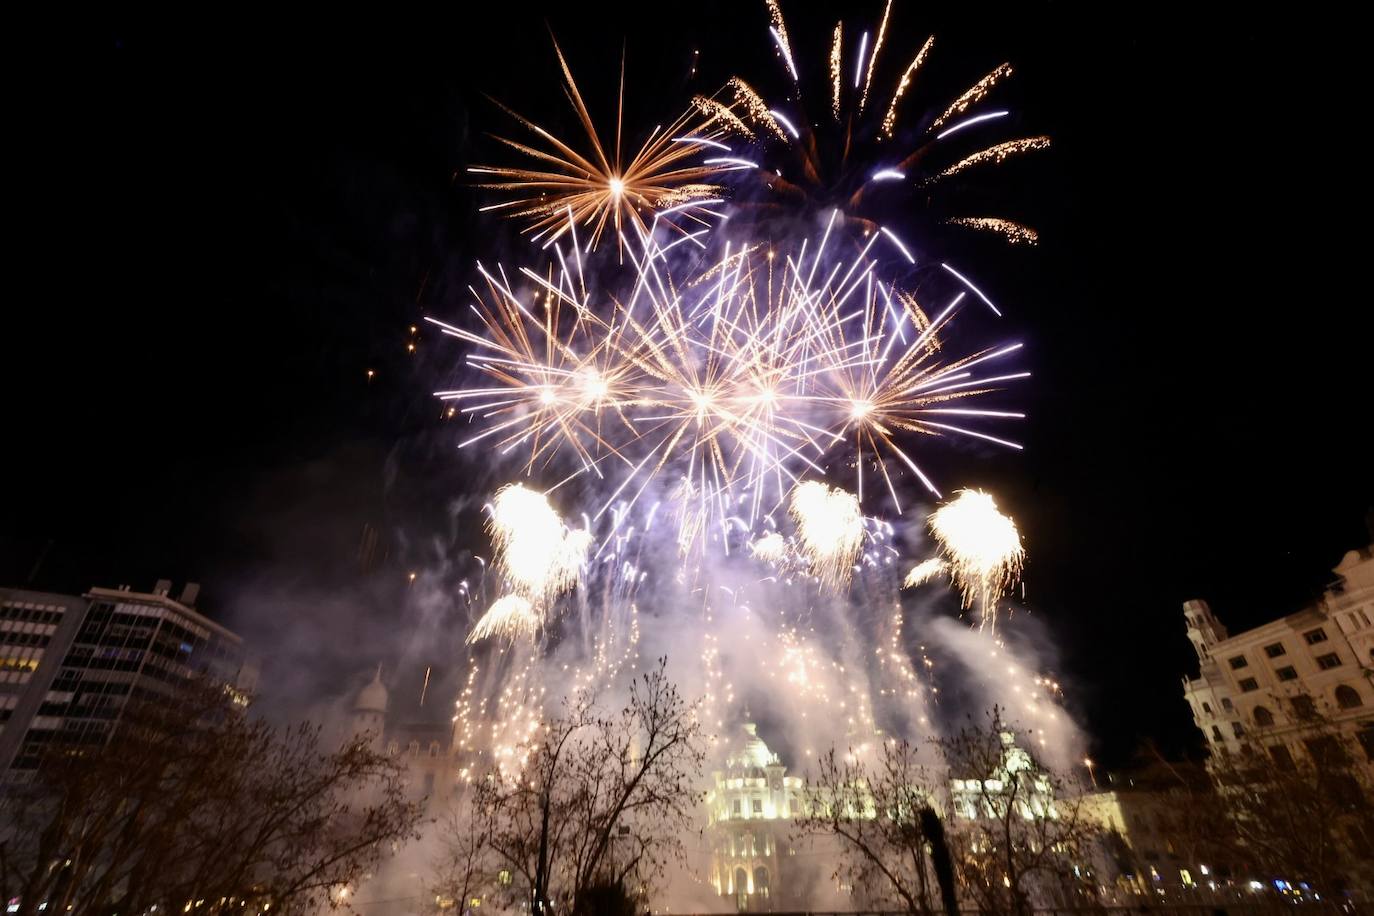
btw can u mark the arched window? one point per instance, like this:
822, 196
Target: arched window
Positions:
1263, 717
741, 888
761, 881
1304, 707
1348, 697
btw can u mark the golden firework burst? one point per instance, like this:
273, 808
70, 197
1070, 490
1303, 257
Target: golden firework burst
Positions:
588, 185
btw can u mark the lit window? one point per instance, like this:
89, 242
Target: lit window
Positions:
1274, 650
1248, 684
1328, 661
1238, 662
1286, 673
1315, 636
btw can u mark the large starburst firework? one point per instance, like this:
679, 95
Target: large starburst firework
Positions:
600, 189
755, 370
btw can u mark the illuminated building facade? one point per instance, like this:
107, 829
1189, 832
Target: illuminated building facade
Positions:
749, 811
1265, 681
1035, 799
70, 664
1152, 843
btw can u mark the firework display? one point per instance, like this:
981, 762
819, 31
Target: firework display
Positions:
740, 401
867, 161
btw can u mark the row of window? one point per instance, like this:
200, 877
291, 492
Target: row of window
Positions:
1346, 697
1277, 650
11, 638
413, 748
35, 615
1325, 662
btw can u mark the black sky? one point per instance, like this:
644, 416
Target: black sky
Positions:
237, 217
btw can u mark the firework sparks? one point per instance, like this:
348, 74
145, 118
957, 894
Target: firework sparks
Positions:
924, 572
808, 169
981, 546
740, 378
509, 617
830, 529
535, 551
1013, 232
997, 154
771, 548
599, 189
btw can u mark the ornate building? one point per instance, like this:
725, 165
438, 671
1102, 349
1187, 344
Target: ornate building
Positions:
1266, 681
750, 807
423, 742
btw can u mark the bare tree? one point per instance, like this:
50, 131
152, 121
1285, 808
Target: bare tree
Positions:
1018, 833
463, 869
191, 802
880, 814
603, 800
1298, 802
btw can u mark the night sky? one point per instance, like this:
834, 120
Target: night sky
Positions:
239, 217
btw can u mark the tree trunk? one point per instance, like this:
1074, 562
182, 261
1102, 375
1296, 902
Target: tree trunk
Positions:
940, 859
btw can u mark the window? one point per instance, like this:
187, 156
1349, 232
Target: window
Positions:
1238, 662
1226, 704
1206, 707
1238, 729
1315, 636
1274, 650
1286, 673
735, 808
1348, 697
1248, 684
1263, 717
434, 749
1328, 661
1216, 733
758, 806
1282, 756
1304, 707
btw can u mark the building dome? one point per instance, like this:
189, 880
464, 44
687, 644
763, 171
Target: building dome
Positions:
751, 751
373, 697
